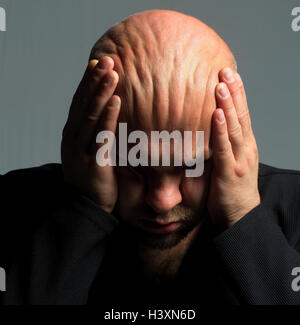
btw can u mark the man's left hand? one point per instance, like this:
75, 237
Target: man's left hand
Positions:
234, 179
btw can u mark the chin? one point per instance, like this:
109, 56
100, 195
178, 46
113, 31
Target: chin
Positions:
161, 241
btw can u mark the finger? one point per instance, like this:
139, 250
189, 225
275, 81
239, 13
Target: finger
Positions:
93, 112
91, 65
110, 115
91, 76
244, 115
88, 86
222, 152
224, 100
237, 90
108, 121
73, 108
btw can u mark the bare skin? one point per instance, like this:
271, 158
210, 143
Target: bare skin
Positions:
163, 86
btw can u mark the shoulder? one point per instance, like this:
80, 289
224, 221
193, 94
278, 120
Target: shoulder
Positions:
278, 179
34, 172
280, 193
30, 185
33, 176
27, 197
267, 170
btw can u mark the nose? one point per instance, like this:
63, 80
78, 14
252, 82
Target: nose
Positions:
163, 194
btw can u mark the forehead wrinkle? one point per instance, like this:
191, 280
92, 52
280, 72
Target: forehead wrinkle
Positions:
137, 66
205, 90
159, 102
195, 84
176, 95
192, 111
152, 51
138, 113
131, 49
201, 94
160, 53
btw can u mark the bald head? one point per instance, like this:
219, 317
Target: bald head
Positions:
168, 64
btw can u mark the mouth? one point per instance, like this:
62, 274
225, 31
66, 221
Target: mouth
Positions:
160, 228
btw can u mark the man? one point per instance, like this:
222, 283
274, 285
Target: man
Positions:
78, 233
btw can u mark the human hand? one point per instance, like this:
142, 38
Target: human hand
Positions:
234, 179
93, 109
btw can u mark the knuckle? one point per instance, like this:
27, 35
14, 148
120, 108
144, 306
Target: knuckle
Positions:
240, 85
92, 117
239, 81
98, 71
255, 152
109, 81
235, 131
252, 156
234, 89
92, 114
240, 170
224, 151
95, 78
244, 116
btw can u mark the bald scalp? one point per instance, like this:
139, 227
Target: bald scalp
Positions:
168, 63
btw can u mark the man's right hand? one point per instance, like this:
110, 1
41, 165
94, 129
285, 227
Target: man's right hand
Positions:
94, 108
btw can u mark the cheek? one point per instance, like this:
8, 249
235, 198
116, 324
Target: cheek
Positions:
130, 192
194, 191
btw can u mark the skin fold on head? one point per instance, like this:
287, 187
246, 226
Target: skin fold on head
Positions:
168, 63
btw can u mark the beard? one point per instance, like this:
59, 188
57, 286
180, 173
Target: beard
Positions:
187, 218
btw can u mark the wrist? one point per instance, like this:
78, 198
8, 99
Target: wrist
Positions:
229, 220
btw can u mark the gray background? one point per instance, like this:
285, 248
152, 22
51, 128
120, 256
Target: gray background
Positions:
45, 49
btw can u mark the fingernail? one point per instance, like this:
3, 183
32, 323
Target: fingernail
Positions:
103, 63
93, 63
228, 75
220, 117
223, 90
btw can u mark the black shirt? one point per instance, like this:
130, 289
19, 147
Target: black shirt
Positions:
200, 278
58, 247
